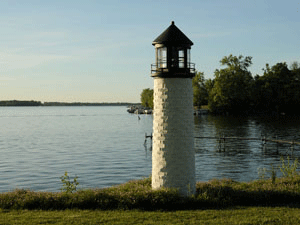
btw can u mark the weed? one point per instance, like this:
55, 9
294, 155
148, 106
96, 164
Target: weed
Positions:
289, 169
273, 175
69, 186
262, 173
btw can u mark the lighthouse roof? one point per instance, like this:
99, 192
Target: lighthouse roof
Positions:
172, 36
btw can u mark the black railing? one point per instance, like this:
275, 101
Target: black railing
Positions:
155, 68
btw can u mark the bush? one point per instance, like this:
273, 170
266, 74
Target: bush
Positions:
69, 186
289, 169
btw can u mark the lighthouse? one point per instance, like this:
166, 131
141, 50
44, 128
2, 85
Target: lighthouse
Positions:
173, 154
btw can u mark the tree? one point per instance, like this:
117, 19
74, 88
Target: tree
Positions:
295, 65
295, 87
278, 89
147, 98
200, 94
231, 91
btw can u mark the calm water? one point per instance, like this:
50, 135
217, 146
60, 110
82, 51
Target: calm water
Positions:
104, 146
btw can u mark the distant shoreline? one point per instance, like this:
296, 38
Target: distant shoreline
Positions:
39, 103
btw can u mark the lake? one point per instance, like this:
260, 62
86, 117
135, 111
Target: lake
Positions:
104, 146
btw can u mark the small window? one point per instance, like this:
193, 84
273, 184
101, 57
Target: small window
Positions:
181, 58
188, 57
162, 57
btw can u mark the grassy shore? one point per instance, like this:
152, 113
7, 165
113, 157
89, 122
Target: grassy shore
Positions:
138, 194
266, 201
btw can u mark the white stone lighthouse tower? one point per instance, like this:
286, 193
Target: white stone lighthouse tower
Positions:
173, 155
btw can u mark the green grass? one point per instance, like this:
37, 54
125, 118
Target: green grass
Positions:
138, 194
237, 215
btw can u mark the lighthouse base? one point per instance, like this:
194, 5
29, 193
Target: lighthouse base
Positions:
173, 155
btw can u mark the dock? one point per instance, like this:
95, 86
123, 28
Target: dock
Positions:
254, 139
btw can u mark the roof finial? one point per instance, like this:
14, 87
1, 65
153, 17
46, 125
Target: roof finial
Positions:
172, 23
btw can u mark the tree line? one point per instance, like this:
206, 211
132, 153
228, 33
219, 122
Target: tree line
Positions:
38, 103
20, 103
86, 104
234, 90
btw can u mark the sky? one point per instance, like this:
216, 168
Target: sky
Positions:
101, 51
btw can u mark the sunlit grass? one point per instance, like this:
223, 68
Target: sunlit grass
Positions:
236, 215
138, 194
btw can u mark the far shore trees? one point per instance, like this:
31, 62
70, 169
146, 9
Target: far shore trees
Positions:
278, 90
234, 91
20, 103
200, 93
231, 91
147, 98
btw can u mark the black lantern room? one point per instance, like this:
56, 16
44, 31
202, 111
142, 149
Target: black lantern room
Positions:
173, 55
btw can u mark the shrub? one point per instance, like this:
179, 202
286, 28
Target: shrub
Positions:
69, 186
288, 169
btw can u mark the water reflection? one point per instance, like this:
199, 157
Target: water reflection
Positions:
240, 159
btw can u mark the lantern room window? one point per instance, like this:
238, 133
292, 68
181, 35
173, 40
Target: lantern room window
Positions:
161, 57
181, 58
188, 58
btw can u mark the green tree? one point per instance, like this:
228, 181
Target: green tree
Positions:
294, 88
295, 65
278, 89
200, 93
231, 91
147, 98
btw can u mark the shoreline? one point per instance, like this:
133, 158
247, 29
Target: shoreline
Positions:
18, 103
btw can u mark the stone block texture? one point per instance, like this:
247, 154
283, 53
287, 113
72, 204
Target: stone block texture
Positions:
173, 155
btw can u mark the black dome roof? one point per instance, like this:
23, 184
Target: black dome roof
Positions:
172, 36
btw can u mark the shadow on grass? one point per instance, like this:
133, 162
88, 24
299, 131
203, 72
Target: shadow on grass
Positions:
138, 194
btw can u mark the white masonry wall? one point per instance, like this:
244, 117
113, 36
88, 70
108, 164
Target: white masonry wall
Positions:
173, 155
